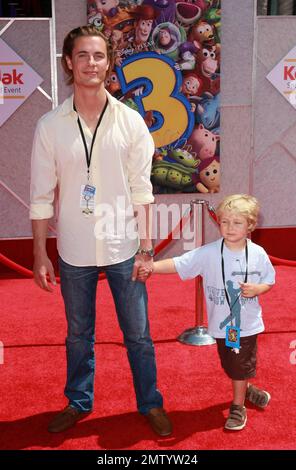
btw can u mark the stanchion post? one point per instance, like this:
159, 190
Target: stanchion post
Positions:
198, 336
199, 302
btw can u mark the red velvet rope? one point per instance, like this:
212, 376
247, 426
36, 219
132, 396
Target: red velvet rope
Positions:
24, 271
28, 273
178, 229
163, 244
15, 267
284, 262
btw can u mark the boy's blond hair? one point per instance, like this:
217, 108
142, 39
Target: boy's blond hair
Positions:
243, 204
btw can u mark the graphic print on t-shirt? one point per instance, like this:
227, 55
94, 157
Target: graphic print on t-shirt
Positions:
235, 313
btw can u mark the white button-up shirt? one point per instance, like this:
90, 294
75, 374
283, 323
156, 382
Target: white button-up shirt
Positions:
120, 170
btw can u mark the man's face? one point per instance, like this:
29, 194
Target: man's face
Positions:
89, 62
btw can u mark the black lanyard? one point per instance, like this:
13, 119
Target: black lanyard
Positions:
88, 155
223, 275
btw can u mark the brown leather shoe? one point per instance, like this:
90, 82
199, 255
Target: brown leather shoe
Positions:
159, 421
66, 419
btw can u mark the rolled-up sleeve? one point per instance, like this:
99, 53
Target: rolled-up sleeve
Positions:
43, 175
140, 162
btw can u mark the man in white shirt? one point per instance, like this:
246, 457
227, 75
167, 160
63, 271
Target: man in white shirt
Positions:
97, 153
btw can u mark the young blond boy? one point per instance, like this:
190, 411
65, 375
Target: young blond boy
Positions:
235, 272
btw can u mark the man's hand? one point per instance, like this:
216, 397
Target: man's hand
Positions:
43, 267
143, 268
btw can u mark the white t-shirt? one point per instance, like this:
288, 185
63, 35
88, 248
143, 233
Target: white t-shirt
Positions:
206, 261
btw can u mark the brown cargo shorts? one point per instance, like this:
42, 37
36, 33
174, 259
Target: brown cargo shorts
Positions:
240, 366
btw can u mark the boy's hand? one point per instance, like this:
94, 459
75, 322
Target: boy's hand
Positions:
143, 268
250, 290
144, 273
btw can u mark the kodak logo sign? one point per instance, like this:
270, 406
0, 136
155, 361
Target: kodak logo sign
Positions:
13, 78
289, 72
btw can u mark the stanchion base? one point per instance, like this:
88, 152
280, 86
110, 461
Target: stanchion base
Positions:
197, 336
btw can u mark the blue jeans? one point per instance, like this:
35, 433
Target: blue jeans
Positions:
78, 286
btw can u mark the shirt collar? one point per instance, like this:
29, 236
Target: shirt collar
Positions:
67, 106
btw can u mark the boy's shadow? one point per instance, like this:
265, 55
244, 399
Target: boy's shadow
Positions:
113, 432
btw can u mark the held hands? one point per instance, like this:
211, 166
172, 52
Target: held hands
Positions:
143, 268
144, 273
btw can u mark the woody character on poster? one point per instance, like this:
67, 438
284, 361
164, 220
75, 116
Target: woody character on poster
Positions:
167, 67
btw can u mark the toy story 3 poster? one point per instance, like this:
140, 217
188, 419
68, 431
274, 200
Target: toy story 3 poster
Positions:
167, 67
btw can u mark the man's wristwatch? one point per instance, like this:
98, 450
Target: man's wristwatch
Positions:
143, 251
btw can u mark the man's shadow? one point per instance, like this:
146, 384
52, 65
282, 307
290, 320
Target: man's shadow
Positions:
114, 432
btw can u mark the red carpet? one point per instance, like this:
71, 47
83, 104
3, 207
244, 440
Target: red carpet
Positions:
197, 393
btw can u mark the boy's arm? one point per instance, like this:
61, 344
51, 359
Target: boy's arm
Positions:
165, 266
252, 290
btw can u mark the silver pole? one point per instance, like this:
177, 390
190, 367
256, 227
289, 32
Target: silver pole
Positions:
198, 336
